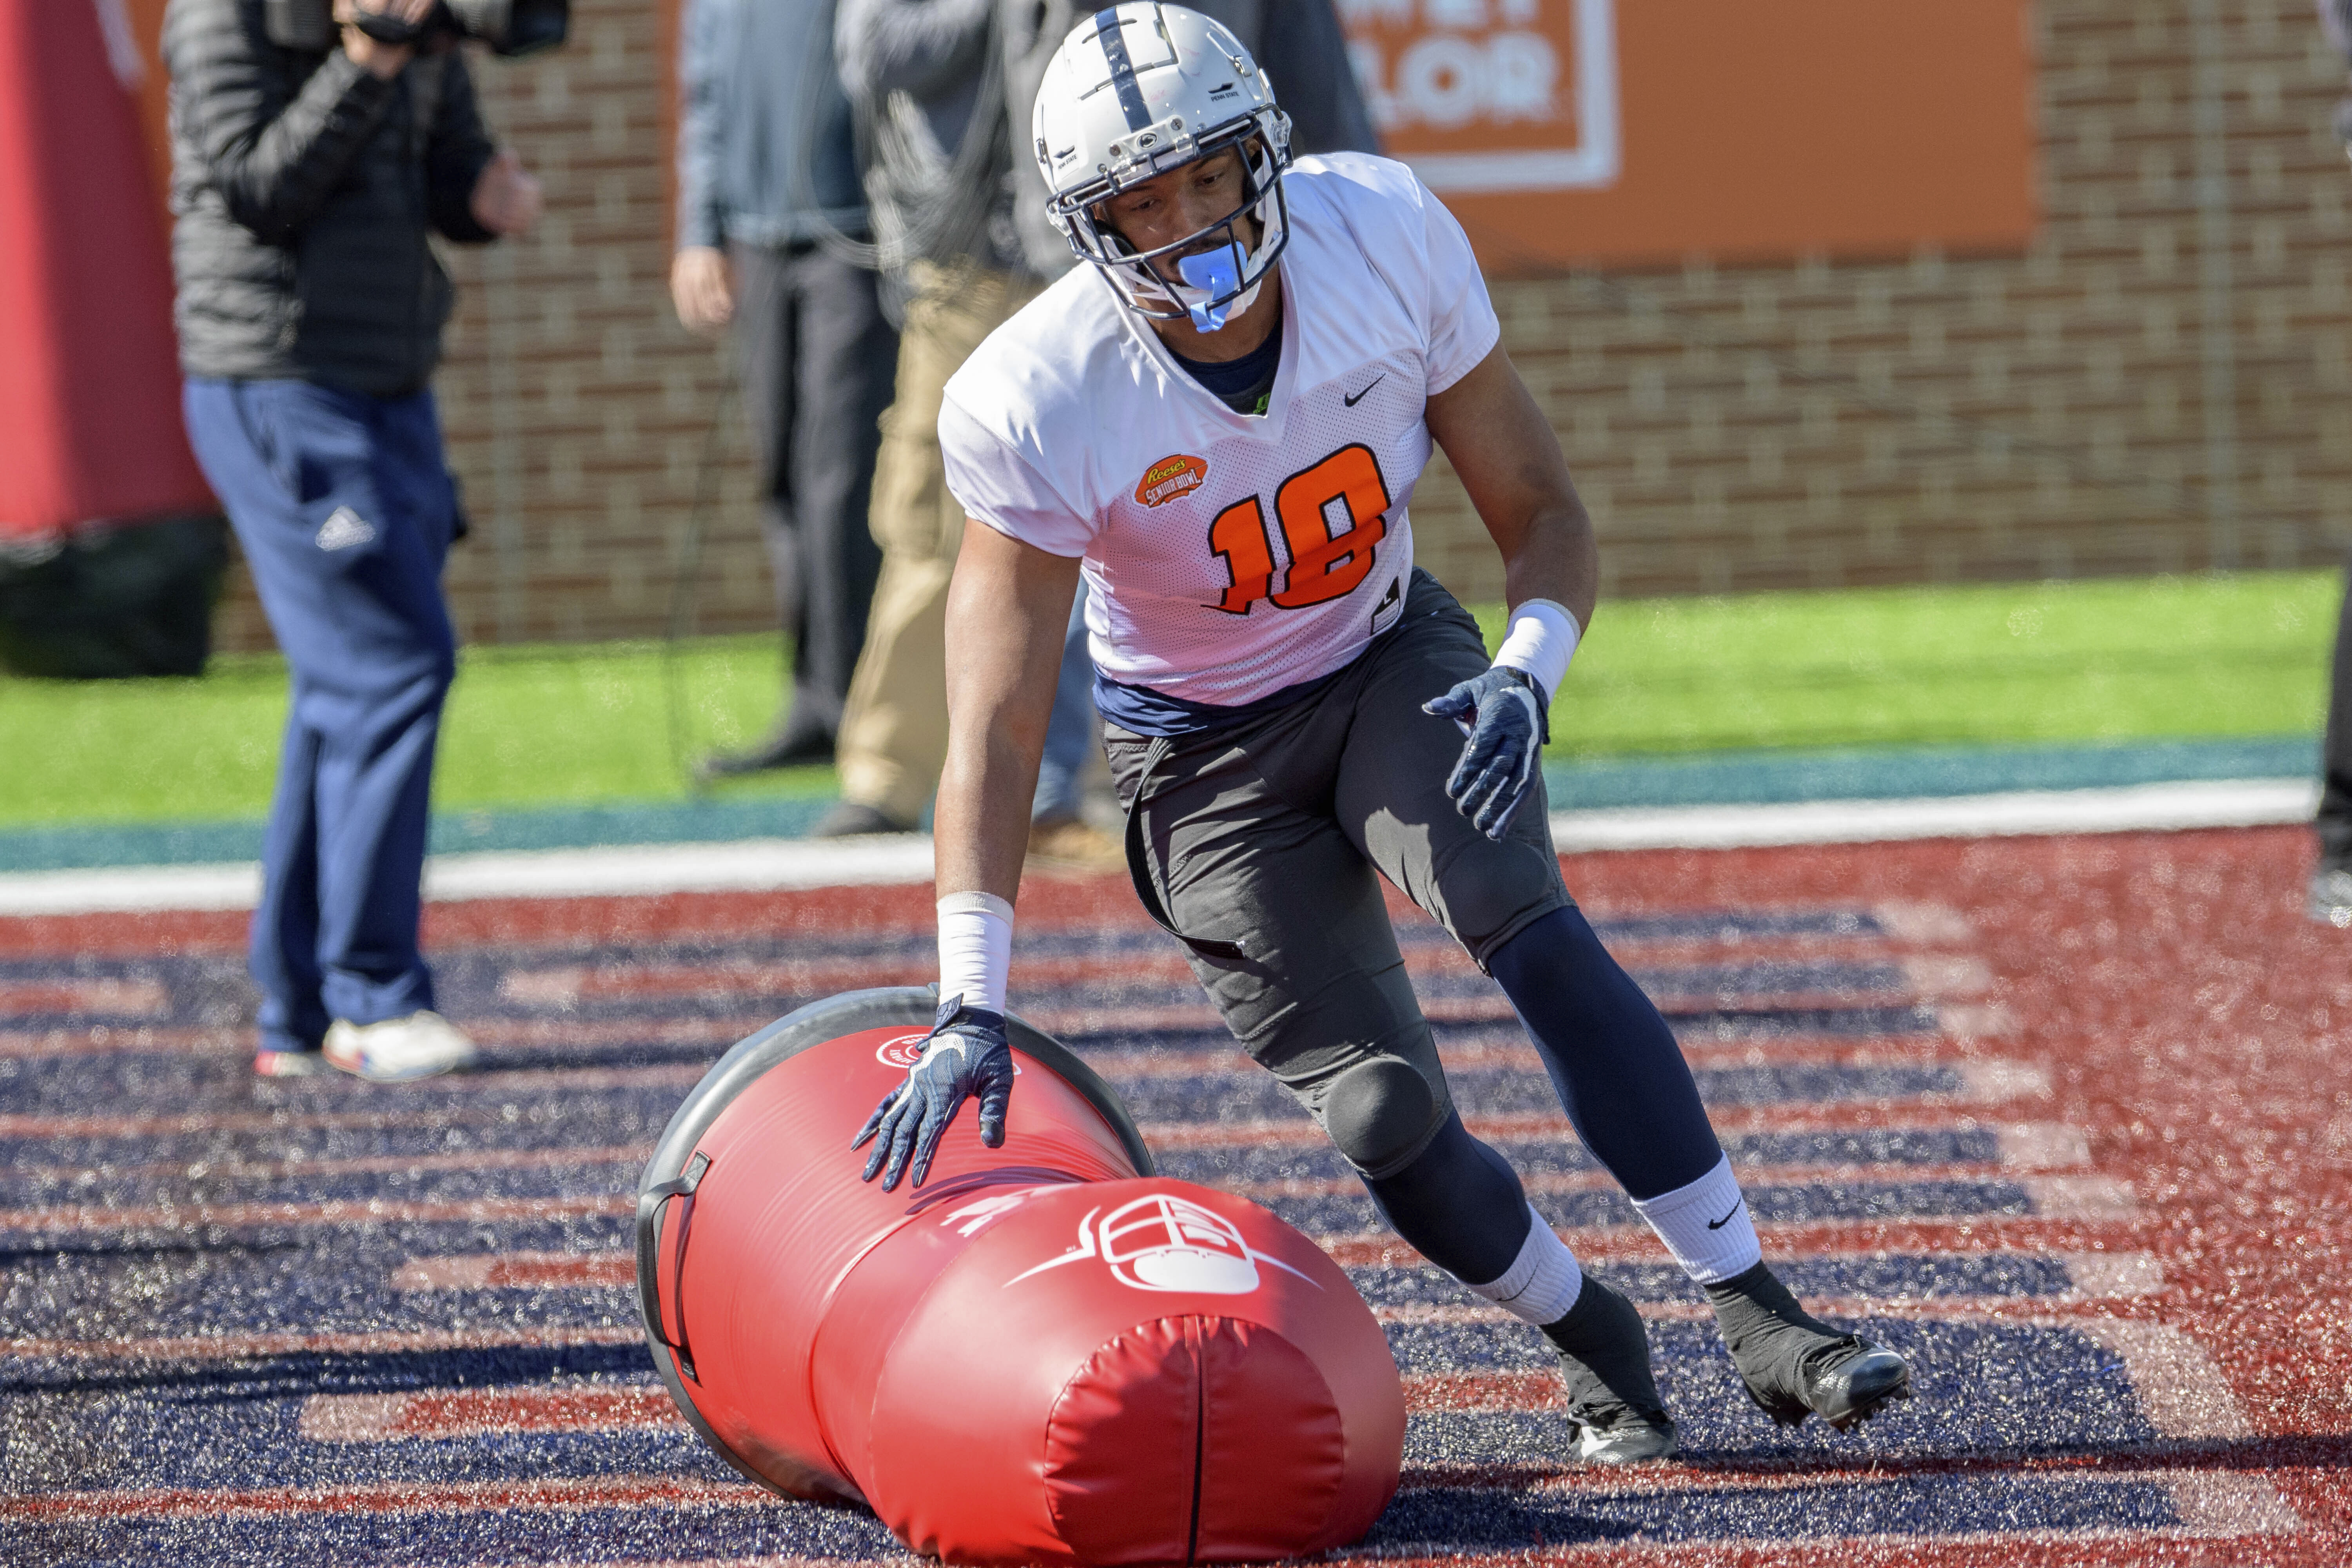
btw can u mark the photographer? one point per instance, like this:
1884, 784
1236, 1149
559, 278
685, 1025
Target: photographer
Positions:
305, 181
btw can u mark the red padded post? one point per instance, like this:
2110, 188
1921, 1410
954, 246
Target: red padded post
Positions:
1043, 1356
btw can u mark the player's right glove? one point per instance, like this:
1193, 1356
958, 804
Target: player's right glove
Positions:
1504, 714
966, 1053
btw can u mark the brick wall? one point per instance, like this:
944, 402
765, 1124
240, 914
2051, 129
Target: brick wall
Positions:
2162, 383
581, 418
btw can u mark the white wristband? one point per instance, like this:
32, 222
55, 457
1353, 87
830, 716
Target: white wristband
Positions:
1542, 640
975, 949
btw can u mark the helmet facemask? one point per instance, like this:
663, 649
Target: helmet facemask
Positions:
1218, 283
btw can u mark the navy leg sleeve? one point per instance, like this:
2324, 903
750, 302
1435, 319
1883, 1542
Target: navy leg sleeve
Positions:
1459, 1204
344, 507
1619, 1071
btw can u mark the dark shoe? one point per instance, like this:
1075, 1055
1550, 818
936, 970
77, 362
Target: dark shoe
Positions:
848, 819
792, 749
1604, 1360
1796, 1365
2331, 897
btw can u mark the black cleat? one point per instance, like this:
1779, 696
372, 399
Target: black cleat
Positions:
1794, 1364
1604, 1360
850, 819
785, 749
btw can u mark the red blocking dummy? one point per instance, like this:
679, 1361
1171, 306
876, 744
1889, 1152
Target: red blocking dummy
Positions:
1046, 1354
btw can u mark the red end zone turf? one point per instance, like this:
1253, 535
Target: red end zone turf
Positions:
2074, 1113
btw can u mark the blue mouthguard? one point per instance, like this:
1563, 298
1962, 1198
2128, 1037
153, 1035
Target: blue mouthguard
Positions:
1214, 273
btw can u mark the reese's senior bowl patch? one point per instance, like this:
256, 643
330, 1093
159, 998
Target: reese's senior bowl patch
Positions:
1171, 478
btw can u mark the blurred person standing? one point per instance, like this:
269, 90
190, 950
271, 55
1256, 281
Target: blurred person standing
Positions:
927, 79
2331, 883
767, 176
947, 87
306, 184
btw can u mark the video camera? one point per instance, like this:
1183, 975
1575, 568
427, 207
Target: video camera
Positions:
509, 27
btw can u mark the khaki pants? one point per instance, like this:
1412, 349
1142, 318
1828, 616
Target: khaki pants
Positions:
894, 729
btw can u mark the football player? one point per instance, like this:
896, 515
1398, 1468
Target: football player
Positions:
1219, 423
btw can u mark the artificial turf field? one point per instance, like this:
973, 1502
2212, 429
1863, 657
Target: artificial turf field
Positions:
2068, 1121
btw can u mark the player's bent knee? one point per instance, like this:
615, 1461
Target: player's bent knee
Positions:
1381, 1114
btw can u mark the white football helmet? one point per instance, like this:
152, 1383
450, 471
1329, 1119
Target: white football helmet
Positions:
1139, 89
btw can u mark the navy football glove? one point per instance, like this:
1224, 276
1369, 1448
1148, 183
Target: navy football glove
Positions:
966, 1053
1505, 713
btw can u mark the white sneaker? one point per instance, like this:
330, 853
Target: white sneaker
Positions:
2331, 897
288, 1064
398, 1049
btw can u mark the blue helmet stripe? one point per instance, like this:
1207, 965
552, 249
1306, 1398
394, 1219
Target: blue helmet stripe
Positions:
1122, 69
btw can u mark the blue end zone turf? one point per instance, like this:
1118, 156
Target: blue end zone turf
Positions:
315, 1321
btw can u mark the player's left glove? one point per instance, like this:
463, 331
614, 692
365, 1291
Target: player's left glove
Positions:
1505, 713
966, 1053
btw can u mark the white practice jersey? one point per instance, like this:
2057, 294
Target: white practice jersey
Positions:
1232, 555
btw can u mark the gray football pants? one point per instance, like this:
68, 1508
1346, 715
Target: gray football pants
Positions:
1271, 835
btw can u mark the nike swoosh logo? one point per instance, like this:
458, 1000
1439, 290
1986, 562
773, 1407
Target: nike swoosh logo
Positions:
1720, 1224
1351, 402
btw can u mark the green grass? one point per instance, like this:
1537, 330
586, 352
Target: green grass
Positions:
527, 726
2107, 661
2172, 658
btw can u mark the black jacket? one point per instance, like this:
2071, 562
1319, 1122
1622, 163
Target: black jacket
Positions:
305, 187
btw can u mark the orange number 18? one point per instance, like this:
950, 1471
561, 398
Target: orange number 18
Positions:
1324, 564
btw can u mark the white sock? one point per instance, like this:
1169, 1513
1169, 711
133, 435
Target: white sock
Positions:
1542, 1283
1705, 1226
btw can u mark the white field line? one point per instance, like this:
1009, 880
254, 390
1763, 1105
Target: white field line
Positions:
476, 1413
1992, 1083
1938, 976
768, 864
2180, 1391
538, 1270
1975, 1021
2111, 1276
2232, 1503
2136, 808
2080, 1197
1923, 925
760, 864
2042, 1146
754, 865
129, 888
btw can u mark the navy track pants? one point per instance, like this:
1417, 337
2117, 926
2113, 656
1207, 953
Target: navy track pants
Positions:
344, 508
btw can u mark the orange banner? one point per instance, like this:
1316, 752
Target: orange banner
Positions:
1569, 132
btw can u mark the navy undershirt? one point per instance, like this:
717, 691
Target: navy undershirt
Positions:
1240, 385
1141, 711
